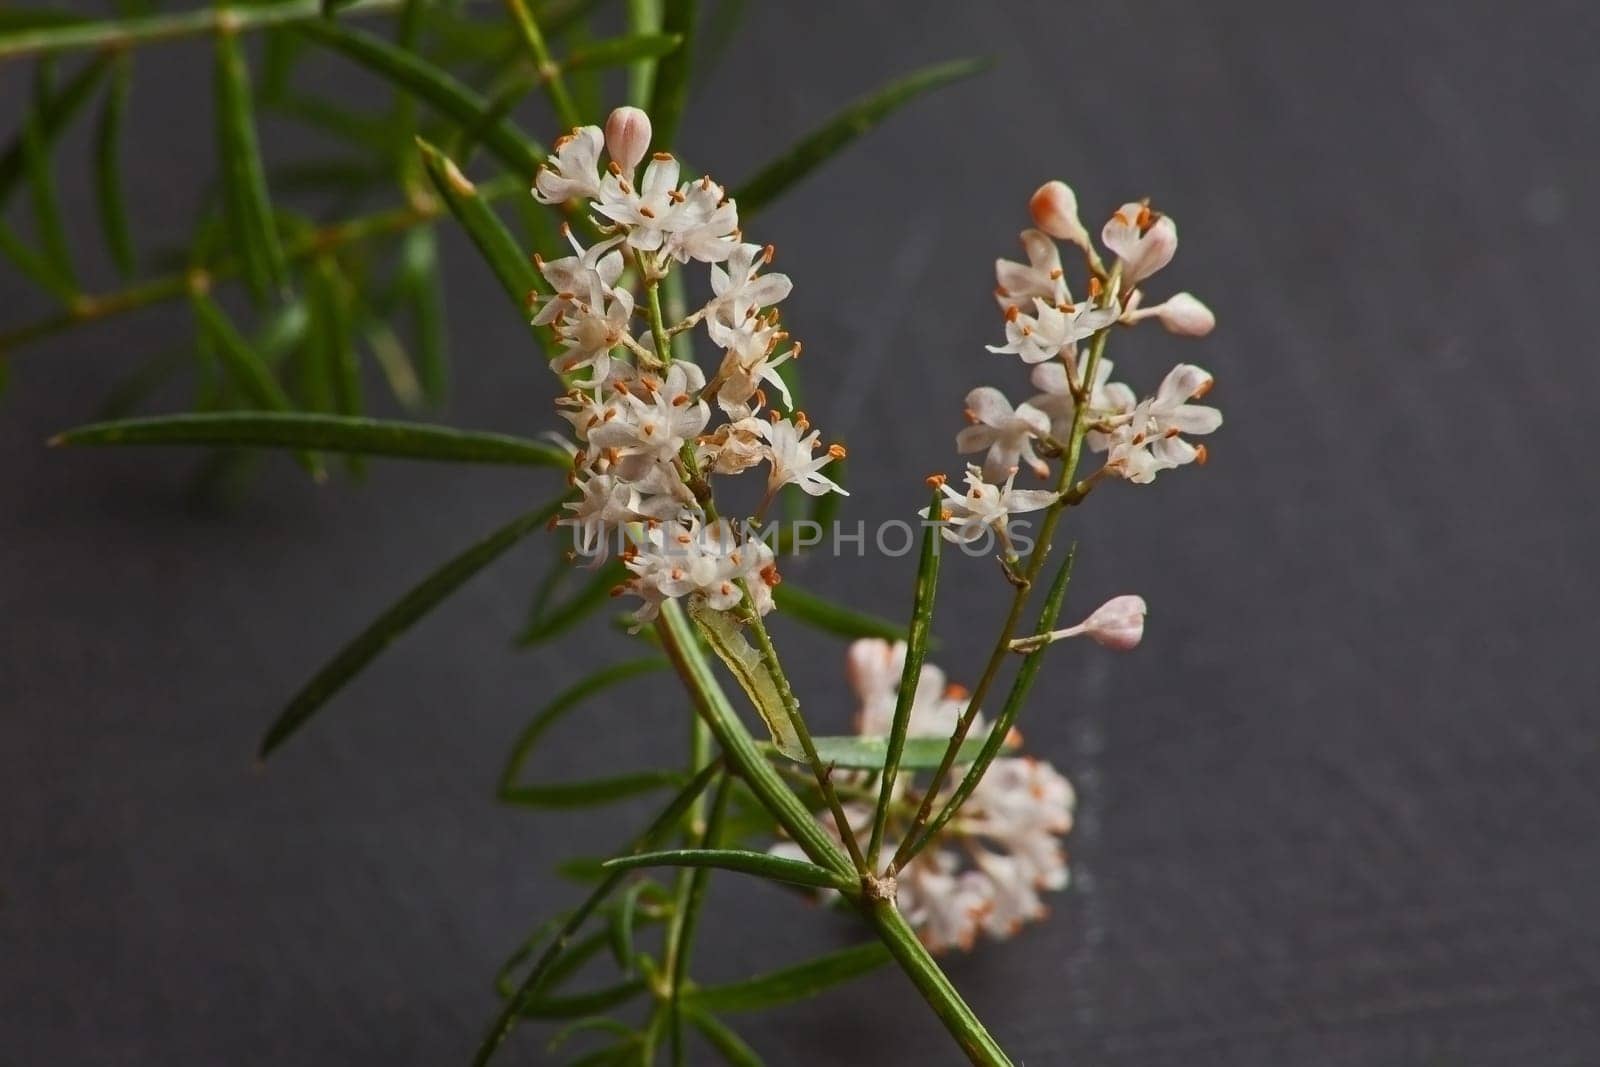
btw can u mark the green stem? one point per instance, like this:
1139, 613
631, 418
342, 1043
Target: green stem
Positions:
965, 1026
692, 894
136, 30
313, 243
915, 839
549, 71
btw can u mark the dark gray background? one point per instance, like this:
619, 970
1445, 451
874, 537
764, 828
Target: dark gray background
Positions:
1340, 808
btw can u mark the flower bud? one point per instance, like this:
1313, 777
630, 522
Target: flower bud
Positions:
1118, 624
628, 137
1186, 316
1054, 207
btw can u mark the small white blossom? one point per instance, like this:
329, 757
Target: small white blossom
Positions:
682, 558
1052, 329
1142, 239
1107, 400
572, 171
985, 506
1017, 285
873, 667
790, 452
944, 904
606, 503
752, 359
644, 211
655, 424
739, 292
1149, 441
1007, 433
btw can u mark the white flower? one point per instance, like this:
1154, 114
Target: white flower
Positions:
677, 559
654, 425
627, 138
1008, 433
1052, 329
789, 450
705, 226
1149, 441
751, 359
985, 506
1054, 207
572, 172
1107, 399
586, 276
1014, 894
1024, 806
1118, 624
606, 503
738, 293
1182, 314
646, 210
591, 329
1018, 285
1142, 239
734, 446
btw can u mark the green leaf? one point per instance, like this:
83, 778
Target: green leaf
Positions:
244, 182
420, 289
621, 928
434, 87
851, 752
33, 266
644, 20
927, 585
832, 618
829, 139
494, 241
671, 89
108, 172
138, 385
760, 864
534, 43
790, 983
618, 50
331, 337
323, 433
247, 368
390, 354
589, 1024
544, 623
728, 1044
583, 1003
592, 791
55, 113
564, 703
664, 823
42, 184
369, 133
397, 619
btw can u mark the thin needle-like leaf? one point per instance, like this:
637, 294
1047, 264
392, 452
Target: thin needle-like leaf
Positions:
55, 113
825, 615
42, 184
108, 172
547, 622
791, 983
324, 433
852, 752
421, 291
644, 19
729, 1045
434, 87
33, 266
399, 618
927, 586
247, 368
1009, 712
494, 241
664, 823
760, 864
548, 73
564, 703
829, 139
670, 92
618, 50
244, 181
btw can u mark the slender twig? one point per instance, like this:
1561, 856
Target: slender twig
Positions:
680, 936
549, 71
136, 30
915, 839
309, 245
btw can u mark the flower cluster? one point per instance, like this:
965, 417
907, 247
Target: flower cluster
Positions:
1044, 327
646, 444
985, 872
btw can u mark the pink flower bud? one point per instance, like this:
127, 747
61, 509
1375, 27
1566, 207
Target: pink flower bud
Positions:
1118, 624
1186, 316
628, 137
1054, 207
